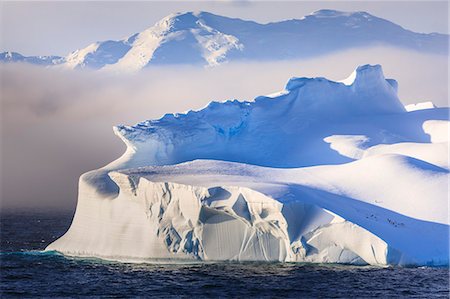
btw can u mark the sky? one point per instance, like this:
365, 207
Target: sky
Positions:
59, 27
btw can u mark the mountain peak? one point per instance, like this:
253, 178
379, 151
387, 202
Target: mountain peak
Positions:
10, 55
177, 21
331, 13
183, 20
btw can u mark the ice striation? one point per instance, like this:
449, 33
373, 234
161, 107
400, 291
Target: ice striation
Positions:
323, 171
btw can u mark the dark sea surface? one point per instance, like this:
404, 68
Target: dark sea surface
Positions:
27, 272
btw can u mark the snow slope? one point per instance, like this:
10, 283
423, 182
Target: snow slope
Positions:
322, 172
207, 39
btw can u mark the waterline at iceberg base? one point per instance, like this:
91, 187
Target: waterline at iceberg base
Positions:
326, 172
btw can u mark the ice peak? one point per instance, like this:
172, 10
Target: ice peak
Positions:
369, 72
364, 72
372, 75
369, 68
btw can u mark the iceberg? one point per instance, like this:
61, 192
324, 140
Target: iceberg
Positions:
321, 172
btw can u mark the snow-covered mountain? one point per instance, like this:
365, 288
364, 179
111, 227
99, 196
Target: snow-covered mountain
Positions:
321, 172
37, 60
208, 39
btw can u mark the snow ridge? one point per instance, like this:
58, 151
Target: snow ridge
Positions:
304, 101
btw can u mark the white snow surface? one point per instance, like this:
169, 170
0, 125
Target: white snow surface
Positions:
323, 172
420, 106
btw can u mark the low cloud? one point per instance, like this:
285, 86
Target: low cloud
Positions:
56, 124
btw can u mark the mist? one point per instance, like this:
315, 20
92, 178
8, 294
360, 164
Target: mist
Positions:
57, 124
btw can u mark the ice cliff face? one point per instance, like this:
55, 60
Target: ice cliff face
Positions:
321, 172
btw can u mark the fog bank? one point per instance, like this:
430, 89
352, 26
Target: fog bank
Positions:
57, 124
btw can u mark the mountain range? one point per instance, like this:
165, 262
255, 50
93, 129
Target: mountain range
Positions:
203, 38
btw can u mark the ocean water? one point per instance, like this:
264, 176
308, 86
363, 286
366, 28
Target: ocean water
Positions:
27, 272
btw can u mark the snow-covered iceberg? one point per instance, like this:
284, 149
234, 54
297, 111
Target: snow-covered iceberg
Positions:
323, 171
